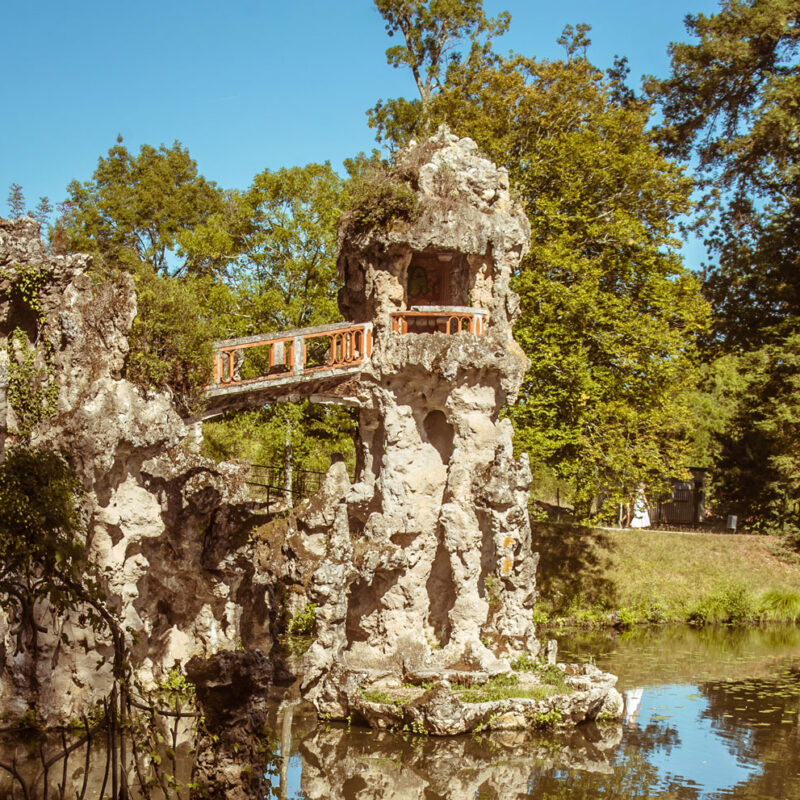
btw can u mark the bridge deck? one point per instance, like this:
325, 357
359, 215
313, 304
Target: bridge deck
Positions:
316, 362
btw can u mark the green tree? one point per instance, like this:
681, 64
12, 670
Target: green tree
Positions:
731, 102
295, 436
136, 208
132, 216
609, 313
16, 201
437, 34
171, 338
44, 209
759, 462
276, 243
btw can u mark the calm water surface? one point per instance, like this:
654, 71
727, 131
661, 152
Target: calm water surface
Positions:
709, 714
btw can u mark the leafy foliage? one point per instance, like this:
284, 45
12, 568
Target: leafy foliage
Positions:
378, 195
759, 462
315, 432
609, 313
32, 390
275, 246
41, 550
732, 102
136, 208
437, 34
172, 334
304, 623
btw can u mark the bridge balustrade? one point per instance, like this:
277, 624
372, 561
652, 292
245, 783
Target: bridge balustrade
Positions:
440, 319
323, 349
290, 353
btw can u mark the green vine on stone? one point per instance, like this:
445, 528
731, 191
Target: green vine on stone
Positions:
26, 284
32, 390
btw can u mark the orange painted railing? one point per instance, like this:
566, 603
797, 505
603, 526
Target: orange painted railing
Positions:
292, 353
444, 320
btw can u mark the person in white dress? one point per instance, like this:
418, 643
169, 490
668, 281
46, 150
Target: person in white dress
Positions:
640, 517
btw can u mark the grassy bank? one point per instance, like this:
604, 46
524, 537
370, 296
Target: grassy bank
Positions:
598, 577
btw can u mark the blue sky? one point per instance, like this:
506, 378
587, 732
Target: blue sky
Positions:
246, 84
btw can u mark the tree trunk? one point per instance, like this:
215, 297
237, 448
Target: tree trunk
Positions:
288, 453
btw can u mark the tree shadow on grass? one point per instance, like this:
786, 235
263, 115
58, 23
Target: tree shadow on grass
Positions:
574, 565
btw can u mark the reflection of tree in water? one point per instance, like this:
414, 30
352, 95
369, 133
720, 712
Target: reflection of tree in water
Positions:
650, 656
632, 775
758, 718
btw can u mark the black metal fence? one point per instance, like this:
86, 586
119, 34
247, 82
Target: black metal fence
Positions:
269, 483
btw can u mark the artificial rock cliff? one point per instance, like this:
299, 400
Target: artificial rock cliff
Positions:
167, 529
423, 569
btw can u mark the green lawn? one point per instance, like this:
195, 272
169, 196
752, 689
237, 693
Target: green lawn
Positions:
656, 576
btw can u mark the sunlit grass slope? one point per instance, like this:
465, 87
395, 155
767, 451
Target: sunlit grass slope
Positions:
596, 576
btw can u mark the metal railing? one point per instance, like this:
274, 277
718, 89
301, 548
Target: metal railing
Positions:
272, 478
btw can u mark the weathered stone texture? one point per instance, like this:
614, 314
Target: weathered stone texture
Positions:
428, 561
167, 529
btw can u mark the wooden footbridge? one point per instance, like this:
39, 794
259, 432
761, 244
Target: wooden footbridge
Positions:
317, 362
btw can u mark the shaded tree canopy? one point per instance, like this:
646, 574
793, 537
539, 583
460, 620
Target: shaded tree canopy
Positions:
41, 545
731, 103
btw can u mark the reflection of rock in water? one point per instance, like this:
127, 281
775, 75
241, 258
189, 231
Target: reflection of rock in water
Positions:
356, 765
232, 748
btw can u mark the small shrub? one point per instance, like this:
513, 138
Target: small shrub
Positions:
525, 664
626, 618
29, 720
424, 685
657, 613
780, 605
548, 674
504, 687
540, 616
176, 686
376, 199
731, 603
547, 719
304, 623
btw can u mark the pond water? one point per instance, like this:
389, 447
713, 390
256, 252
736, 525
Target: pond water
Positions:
709, 714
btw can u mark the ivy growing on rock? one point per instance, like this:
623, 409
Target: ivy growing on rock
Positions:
32, 390
25, 281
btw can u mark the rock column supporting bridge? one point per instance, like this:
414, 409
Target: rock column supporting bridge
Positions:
422, 570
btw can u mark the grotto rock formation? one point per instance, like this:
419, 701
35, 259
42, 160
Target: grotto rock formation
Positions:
167, 529
424, 567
